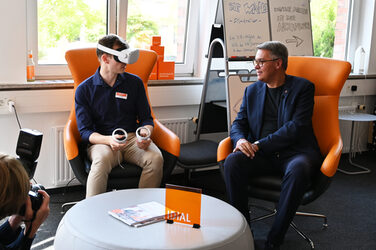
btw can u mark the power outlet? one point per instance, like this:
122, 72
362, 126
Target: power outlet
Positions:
4, 107
11, 106
361, 106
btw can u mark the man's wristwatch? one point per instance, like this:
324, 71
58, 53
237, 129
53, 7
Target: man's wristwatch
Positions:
257, 143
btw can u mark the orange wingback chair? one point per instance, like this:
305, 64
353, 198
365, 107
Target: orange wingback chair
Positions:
328, 76
83, 63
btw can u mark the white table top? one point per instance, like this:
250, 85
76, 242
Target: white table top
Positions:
87, 225
358, 117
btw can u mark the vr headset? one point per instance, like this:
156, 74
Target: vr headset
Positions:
127, 56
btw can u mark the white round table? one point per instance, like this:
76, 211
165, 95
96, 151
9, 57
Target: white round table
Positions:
355, 117
87, 225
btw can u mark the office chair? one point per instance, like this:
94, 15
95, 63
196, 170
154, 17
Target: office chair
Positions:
83, 63
202, 153
195, 155
328, 75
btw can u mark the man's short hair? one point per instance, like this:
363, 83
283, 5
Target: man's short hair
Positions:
277, 50
110, 41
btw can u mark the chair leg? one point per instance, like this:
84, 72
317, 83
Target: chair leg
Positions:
187, 176
325, 224
272, 212
310, 242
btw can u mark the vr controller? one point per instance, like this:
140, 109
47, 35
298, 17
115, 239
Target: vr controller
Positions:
128, 56
142, 138
119, 135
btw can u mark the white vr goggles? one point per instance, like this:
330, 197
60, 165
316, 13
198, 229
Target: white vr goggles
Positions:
127, 56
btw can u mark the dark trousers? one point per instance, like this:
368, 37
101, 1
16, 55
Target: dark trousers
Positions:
297, 172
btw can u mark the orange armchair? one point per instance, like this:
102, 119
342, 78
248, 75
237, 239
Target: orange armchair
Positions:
328, 75
83, 63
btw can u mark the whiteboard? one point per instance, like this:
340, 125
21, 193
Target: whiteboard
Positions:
246, 25
290, 22
236, 87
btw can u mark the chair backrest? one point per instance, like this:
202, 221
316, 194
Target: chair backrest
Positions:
328, 76
82, 64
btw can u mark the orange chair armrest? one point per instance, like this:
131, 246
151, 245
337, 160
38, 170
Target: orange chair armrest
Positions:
224, 149
70, 140
165, 139
331, 161
328, 167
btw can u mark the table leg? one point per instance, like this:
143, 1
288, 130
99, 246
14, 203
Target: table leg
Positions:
365, 170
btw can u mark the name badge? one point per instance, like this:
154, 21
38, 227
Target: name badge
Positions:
121, 95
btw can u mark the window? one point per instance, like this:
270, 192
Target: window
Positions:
329, 27
55, 26
169, 21
68, 24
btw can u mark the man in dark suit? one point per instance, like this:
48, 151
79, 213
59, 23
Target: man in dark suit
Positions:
273, 134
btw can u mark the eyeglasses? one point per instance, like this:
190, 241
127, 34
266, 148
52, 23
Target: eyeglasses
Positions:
261, 62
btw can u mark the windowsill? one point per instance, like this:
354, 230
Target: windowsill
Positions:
181, 80
67, 84
39, 84
357, 76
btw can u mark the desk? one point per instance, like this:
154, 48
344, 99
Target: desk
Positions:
356, 117
87, 225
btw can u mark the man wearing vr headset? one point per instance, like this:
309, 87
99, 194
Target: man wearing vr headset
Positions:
111, 99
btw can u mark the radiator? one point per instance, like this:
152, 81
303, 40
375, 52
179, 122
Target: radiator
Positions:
179, 126
63, 173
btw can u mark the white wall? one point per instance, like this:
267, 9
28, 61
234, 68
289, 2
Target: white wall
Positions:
13, 41
42, 122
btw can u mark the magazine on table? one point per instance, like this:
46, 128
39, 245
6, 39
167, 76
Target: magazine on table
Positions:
142, 214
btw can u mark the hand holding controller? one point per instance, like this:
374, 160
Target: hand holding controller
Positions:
142, 137
119, 135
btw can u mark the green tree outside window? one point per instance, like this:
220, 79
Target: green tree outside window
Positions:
324, 14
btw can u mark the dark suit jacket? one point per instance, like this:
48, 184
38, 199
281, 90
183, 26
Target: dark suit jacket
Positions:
295, 132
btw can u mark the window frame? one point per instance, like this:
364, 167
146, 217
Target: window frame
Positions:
117, 9
361, 32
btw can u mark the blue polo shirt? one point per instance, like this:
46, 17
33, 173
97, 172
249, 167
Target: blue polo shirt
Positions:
101, 108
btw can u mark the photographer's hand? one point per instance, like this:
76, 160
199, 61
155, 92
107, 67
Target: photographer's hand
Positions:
41, 215
16, 219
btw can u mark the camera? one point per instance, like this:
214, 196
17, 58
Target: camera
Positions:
35, 198
28, 148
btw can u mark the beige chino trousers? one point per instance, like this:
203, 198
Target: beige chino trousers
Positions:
103, 159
